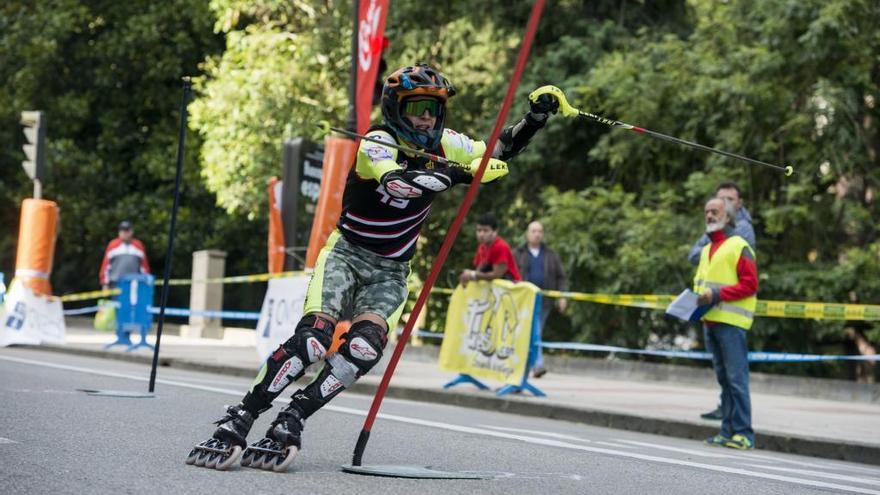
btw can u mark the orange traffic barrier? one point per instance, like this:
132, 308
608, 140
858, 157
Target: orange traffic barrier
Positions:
36, 244
276, 228
339, 154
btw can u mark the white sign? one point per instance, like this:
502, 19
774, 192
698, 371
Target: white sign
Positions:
28, 318
281, 311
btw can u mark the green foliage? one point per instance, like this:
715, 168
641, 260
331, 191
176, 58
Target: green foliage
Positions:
285, 69
107, 74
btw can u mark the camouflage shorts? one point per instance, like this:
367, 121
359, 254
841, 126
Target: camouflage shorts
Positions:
349, 281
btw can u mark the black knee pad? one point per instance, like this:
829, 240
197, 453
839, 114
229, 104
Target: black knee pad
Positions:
309, 344
361, 349
363, 344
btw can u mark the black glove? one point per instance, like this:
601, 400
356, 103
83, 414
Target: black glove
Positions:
546, 104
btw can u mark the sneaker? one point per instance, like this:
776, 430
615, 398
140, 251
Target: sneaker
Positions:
717, 441
713, 415
539, 372
739, 442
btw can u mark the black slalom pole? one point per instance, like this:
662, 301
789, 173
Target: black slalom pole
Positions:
352, 83
187, 87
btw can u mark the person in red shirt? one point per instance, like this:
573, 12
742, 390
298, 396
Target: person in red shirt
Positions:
494, 259
123, 255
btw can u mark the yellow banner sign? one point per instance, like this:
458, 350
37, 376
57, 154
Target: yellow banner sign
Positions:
488, 330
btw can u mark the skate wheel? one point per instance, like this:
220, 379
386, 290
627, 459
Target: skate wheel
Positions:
282, 463
255, 457
191, 458
247, 457
268, 461
213, 459
204, 456
227, 461
201, 458
194, 453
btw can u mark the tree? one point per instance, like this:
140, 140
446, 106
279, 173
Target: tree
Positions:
107, 74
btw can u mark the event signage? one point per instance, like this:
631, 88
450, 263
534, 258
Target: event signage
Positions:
29, 318
488, 330
281, 311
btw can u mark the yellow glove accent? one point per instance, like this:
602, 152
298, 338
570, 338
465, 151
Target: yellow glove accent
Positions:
495, 169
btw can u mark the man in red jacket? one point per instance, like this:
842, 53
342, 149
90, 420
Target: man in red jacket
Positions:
727, 279
123, 255
494, 259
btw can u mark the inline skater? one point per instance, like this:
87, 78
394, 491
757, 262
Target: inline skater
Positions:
361, 271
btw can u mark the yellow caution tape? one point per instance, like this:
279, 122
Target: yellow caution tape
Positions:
260, 277
95, 294
766, 308
773, 309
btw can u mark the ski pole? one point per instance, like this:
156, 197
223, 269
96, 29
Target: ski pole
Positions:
569, 111
325, 126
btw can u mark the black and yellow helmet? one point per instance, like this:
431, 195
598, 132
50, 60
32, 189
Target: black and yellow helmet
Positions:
416, 83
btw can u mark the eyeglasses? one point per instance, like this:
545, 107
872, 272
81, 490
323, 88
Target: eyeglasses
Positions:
418, 107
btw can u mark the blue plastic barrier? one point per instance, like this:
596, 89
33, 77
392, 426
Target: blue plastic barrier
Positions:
534, 348
132, 314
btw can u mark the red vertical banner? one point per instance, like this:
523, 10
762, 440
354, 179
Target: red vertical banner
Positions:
371, 26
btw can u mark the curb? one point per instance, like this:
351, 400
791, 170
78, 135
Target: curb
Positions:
772, 441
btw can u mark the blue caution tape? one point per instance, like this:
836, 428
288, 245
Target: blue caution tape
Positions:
755, 357
229, 315
81, 311
428, 335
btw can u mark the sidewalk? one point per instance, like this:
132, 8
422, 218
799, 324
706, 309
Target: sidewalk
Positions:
822, 428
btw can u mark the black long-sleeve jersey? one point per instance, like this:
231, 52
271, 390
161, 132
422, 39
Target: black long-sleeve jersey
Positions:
388, 194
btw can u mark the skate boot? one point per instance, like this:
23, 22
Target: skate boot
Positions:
280, 446
225, 446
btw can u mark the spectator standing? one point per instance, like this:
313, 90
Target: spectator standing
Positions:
123, 255
494, 259
727, 279
727, 191
541, 266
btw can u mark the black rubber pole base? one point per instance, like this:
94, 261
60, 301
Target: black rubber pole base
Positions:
118, 393
412, 472
359, 448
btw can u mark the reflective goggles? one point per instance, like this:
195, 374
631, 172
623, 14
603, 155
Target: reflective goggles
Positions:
418, 107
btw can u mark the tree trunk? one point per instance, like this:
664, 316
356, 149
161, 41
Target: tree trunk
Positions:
865, 370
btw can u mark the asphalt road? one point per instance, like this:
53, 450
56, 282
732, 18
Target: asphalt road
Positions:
55, 439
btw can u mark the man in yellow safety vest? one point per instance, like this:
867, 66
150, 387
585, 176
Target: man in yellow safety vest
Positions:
727, 279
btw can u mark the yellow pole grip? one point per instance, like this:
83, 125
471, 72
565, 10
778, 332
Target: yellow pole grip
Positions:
566, 109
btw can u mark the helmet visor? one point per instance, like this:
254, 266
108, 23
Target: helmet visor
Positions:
418, 107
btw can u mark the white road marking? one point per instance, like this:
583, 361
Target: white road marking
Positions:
481, 432
698, 453
538, 432
821, 465
831, 476
6, 440
615, 445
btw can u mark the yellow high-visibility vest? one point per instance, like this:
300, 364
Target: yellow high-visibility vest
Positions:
721, 271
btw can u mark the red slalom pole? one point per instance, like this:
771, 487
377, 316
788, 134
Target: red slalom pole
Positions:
531, 28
